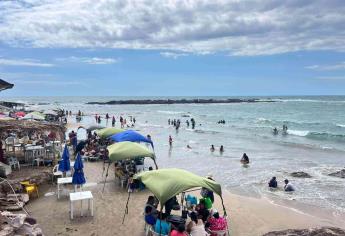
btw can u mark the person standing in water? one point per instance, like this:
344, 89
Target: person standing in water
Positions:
245, 159
221, 149
273, 183
170, 140
113, 121
212, 148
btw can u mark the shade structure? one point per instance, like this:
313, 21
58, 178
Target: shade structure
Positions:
130, 135
35, 115
167, 183
128, 150
107, 132
65, 164
5, 85
78, 175
91, 127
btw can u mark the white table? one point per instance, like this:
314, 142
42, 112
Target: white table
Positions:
62, 181
80, 196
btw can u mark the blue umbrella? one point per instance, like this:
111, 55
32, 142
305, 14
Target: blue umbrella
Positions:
64, 164
130, 135
78, 175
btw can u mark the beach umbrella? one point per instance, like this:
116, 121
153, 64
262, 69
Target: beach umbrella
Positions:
64, 164
130, 135
78, 175
35, 115
5, 85
106, 132
127, 150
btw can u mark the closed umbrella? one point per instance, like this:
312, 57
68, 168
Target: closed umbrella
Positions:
78, 175
130, 135
64, 164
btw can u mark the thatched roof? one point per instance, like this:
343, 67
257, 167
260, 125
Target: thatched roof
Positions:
31, 126
5, 85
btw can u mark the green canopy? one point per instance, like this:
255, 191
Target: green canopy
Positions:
106, 132
128, 150
167, 183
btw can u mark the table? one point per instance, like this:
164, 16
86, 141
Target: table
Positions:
80, 196
62, 181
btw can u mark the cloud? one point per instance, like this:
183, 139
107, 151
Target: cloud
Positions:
338, 66
173, 55
23, 62
248, 27
90, 60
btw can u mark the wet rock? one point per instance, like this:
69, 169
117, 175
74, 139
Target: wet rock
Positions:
340, 174
300, 174
324, 231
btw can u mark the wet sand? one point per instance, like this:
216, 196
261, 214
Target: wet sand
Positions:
247, 216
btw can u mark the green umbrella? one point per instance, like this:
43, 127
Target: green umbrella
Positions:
128, 150
106, 132
167, 183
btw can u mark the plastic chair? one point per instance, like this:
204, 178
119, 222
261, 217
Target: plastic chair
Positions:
12, 161
56, 173
30, 188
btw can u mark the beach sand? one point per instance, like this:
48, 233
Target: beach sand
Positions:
247, 216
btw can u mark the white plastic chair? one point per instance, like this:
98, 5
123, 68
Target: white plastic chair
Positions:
56, 173
13, 162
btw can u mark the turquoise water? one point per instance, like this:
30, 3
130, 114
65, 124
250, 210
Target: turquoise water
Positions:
314, 143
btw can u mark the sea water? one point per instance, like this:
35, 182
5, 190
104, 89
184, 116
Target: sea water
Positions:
314, 142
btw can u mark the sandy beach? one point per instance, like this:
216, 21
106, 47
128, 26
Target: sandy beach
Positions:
247, 216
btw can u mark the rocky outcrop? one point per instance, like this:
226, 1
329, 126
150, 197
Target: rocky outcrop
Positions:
300, 174
178, 101
18, 224
324, 231
340, 174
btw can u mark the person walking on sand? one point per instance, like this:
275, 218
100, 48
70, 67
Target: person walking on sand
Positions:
170, 140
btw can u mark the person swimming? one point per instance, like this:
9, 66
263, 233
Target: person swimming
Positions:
275, 131
273, 183
288, 187
245, 159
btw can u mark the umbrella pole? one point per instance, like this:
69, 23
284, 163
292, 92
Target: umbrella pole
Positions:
126, 209
103, 167
225, 214
106, 175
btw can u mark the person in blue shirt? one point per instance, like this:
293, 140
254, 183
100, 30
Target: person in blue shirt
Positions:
162, 226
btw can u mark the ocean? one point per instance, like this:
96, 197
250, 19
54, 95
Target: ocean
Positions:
314, 143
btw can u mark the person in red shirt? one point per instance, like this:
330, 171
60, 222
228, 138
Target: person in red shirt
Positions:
180, 231
217, 223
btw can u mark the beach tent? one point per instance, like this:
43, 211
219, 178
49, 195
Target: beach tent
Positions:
130, 135
167, 183
35, 115
106, 132
91, 127
5, 85
127, 150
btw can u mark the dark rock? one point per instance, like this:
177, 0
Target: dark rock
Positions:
178, 101
300, 174
340, 174
324, 231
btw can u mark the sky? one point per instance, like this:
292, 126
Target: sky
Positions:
172, 48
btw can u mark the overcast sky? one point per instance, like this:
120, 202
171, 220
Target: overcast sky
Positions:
254, 47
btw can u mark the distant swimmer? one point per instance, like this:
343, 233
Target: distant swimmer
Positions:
273, 183
170, 140
285, 129
212, 148
288, 187
275, 131
245, 159
189, 147
221, 149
